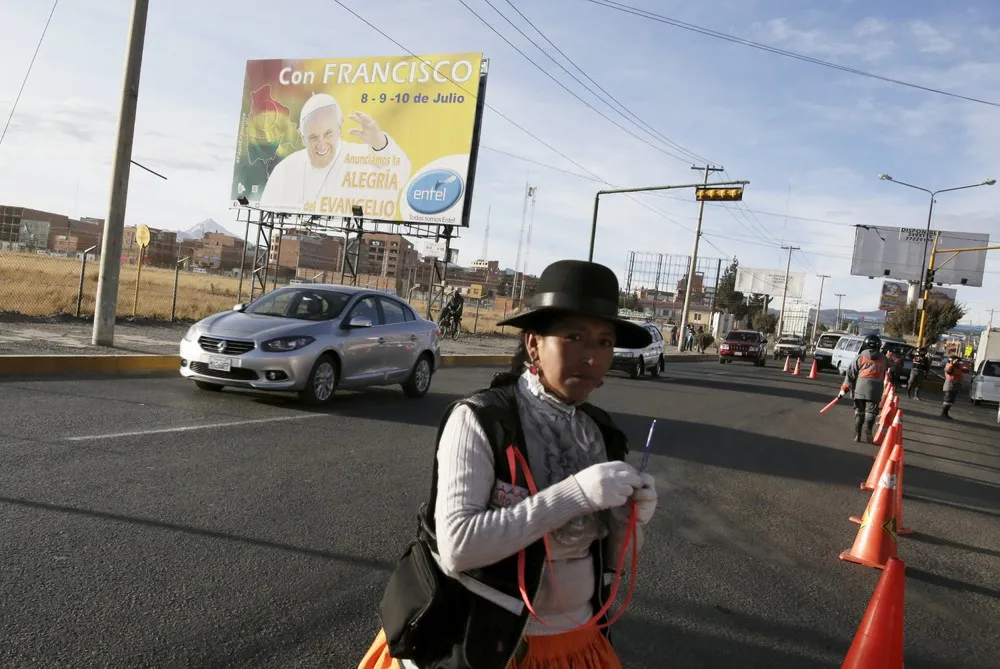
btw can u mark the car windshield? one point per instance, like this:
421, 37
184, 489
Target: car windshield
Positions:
307, 304
828, 341
742, 336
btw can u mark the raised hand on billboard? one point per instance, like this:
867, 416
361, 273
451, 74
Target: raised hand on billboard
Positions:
369, 131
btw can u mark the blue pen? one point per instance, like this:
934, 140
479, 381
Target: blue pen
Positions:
649, 444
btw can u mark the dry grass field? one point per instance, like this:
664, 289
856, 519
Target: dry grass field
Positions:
42, 285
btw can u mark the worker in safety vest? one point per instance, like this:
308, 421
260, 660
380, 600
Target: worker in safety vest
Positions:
864, 379
918, 372
952, 384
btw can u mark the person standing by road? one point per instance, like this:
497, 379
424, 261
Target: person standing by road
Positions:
952, 384
921, 366
864, 379
483, 521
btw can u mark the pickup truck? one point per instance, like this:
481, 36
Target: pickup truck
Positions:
789, 346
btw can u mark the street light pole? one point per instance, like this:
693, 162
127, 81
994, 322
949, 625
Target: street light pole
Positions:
930, 215
106, 307
840, 297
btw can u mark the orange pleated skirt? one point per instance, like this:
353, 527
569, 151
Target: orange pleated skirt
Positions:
582, 649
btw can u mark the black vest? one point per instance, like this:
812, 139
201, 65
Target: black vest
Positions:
488, 635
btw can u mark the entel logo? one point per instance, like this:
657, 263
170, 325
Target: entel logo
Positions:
435, 191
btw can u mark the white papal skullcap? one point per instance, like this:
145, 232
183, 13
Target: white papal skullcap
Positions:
316, 102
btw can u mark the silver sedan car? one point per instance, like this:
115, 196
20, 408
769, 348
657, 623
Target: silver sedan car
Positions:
313, 339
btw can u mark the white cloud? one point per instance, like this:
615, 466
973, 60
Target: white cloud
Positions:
931, 41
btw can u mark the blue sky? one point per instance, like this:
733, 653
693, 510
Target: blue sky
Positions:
811, 140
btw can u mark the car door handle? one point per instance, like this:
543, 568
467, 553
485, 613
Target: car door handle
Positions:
414, 337
381, 340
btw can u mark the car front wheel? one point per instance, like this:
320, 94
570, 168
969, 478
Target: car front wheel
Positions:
322, 382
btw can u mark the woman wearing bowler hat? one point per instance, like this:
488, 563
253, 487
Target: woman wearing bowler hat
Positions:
482, 517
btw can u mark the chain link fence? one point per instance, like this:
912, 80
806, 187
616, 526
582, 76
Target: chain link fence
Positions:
42, 283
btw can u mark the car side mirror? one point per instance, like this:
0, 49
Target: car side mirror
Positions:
239, 307
359, 322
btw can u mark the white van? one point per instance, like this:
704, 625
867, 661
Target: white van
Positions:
823, 353
845, 352
985, 386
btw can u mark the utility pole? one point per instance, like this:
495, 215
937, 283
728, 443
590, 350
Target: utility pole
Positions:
839, 296
527, 247
784, 290
106, 307
520, 242
819, 304
708, 169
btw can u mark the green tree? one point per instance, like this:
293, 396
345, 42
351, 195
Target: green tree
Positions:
765, 322
727, 298
942, 316
630, 302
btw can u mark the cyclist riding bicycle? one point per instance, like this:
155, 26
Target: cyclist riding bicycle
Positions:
453, 310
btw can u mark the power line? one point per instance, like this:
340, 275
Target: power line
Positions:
621, 7
563, 86
28, 73
475, 95
653, 131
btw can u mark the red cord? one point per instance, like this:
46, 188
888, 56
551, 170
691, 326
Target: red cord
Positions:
513, 457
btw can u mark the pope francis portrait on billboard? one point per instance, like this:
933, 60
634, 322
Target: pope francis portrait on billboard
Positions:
329, 174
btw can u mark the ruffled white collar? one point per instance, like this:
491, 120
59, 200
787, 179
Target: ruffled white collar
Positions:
532, 387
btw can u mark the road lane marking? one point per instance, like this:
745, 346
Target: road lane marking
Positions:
191, 428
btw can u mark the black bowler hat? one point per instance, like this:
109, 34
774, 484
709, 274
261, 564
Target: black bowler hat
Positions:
577, 287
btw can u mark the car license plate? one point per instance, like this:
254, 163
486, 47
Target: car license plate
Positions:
737, 353
220, 364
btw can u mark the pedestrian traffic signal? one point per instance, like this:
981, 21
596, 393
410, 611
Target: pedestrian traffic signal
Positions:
711, 194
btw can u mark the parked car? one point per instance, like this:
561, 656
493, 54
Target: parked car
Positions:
825, 345
744, 345
637, 361
313, 340
792, 346
985, 385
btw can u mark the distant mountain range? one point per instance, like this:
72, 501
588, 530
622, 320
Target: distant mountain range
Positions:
205, 227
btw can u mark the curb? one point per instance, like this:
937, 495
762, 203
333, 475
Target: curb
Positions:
39, 365
47, 365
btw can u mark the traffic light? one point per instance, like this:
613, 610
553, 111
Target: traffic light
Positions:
711, 194
929, 281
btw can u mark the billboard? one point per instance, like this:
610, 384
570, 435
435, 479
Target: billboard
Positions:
396, 136
898, 253
893, 295
750, 280
943, 294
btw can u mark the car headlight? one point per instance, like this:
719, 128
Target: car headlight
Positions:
285, 344
191, 334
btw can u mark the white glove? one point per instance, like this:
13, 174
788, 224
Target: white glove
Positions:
645, 499
609, 484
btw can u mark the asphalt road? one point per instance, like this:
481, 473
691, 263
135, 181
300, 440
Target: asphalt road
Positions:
147, 524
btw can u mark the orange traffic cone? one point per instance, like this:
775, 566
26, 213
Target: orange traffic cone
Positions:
814, 372
788, 359
884, 453
890, 408
899, 482
798, 367
878, 643
875, 542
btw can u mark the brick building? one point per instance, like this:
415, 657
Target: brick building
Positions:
220, 252
305, 253
163, 249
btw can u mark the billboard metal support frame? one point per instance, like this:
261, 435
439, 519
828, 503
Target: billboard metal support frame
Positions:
931, 266
352, 249
439, 273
